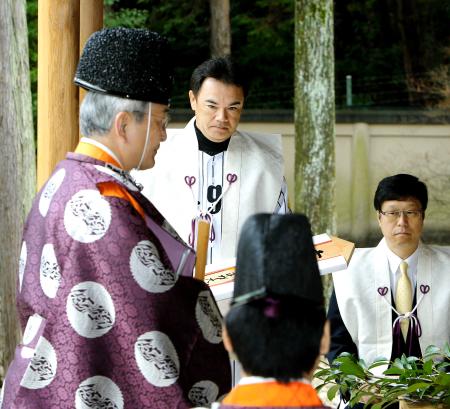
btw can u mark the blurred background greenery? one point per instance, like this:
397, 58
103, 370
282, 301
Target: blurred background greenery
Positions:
396, 51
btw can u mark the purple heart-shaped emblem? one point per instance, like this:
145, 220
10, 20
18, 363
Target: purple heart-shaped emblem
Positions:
231, 177
189, 180
424, 288
382, 291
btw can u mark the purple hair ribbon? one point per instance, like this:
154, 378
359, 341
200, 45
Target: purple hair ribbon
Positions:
271, 307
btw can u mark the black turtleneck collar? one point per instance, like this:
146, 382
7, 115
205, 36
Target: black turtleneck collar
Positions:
210, 147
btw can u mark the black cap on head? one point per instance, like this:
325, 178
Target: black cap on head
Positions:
128, 63
276, 257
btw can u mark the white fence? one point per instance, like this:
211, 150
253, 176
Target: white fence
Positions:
367, 153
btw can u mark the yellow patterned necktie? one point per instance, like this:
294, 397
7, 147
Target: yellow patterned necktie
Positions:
403, 297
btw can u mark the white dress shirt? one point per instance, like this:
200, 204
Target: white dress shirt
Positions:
394, 267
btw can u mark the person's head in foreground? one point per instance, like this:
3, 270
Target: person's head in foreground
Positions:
401, 201
127, 73
277, 325
218, 90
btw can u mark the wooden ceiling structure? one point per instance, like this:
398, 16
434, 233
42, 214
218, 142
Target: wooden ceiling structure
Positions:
63, 28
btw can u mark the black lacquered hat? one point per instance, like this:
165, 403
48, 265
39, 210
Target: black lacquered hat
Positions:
129, 63
276, 258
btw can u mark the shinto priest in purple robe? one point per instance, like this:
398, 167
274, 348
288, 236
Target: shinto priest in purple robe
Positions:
111, 316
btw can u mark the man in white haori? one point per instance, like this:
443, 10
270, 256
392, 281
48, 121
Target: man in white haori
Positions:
210, 169
367, 311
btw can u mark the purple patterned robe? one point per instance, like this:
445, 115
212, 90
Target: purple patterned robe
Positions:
111, 324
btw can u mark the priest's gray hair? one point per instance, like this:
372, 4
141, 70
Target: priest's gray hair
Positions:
97, 112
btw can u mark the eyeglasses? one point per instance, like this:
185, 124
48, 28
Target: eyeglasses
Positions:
163, 122
395, 214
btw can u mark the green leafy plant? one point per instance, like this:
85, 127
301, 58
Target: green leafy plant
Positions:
414, 380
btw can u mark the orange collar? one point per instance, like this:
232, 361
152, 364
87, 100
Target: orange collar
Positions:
292, 394
109, 189
94, 151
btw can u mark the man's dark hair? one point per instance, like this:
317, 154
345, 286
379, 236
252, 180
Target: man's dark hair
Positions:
223, 69
285, 347
400, 187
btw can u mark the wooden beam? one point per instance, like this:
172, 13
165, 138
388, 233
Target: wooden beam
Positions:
91, 20
58, 45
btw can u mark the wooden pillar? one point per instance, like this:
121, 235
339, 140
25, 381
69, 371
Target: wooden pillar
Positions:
91, 20
58, 46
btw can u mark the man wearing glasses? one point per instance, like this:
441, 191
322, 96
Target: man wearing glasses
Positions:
393, 298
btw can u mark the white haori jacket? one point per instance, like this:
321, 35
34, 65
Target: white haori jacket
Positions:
367, 314
255, 158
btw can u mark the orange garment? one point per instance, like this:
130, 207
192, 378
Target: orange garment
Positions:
292, 394
110, 189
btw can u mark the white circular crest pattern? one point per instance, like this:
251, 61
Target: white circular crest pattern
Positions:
33, 326
42, 368
98, 392
157, 358
49, 272
148, 270
87, 216
22, 263
203, 393
52, 186
208, 317
2, 391
90, 309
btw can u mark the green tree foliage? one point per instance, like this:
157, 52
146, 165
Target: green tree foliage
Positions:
186, 24
262, 38
395, 50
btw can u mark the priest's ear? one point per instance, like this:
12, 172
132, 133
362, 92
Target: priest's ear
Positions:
325, 340
121, 122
